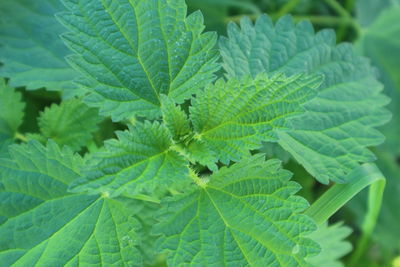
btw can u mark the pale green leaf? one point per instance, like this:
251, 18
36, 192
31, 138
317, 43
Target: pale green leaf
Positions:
11, 114
31, 49
175, 119
141, 158
71, 123
244, 215
130, 52
47, 226
332, 138
236, 116
333, 245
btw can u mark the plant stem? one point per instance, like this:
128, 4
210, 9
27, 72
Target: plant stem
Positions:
339, 194
338, 8
350, 5
344, 14
374, 207
21, 137
287, 7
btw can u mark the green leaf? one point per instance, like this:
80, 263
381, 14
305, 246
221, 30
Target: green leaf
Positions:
244, 215
71, 123
47, 226
141, 158
130, 52
48, 169
31, 49
332, 137
333, 245
175, 119
236, 116
11, 114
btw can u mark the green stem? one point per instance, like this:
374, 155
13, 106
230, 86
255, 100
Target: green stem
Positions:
339, 194
350, 5
288, 7
21, 137
338, 8
344, 14
374, 205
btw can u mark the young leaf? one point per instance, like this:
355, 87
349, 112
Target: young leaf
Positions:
331, 138
140, 158
174, 118
130, 52
236, 116
31, 49
11, 114
244, 215
71, 123
333, 245
46, 226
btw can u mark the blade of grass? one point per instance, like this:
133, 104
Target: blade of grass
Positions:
339, 194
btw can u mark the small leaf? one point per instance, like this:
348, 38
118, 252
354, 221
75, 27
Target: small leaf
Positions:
130, 52
174, 118
237, 116
31, 49
71, 123
11, 114
244, 215
139, 159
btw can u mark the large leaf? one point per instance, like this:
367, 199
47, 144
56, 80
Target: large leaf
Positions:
140, 159
244, 215
31, 49
130, 52
331, 138
46, 226
234, 117
11, 114
71, 123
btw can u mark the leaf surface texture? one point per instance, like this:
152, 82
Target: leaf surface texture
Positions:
47, 226
332, 137
31, 48
130, 52
244, 215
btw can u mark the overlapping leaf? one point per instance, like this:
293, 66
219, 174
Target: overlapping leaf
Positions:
333, 245
130, 52
71, 123
141, 158
234, 117
175, 119
11, 114
31, 49
331, 138
244, 215
46, 226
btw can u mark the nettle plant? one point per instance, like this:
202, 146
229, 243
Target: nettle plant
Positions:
194, 178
